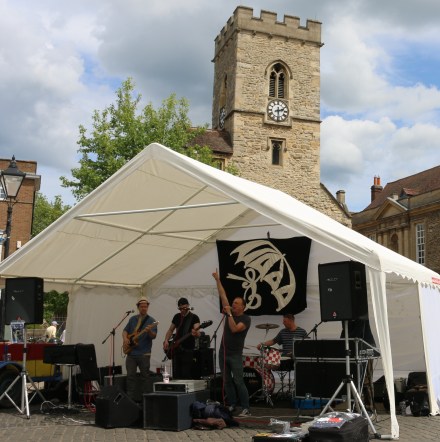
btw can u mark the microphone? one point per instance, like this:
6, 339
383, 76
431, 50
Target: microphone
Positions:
129, 311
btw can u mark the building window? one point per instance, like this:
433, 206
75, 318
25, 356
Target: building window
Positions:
420, 244
277, 147
277, 81
372, 236
2, 193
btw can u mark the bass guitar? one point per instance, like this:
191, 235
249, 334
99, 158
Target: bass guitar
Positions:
134, 338
173, 345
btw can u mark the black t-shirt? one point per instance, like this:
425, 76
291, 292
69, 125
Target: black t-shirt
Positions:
184, 325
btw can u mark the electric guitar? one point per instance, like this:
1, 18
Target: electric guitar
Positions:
134, 338
173, 345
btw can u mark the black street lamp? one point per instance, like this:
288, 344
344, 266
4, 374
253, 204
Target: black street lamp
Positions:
11, 180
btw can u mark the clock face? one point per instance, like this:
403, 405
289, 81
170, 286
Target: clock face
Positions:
277, 110
222, 117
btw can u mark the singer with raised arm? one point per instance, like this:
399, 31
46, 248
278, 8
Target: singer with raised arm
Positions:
180, 339
236, 327
137, 341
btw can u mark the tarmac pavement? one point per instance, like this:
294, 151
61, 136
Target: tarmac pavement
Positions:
65, 426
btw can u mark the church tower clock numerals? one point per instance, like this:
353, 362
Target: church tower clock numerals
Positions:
277, 110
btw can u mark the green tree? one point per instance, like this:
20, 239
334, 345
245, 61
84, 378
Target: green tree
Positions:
45, 212
55, 305
121, 131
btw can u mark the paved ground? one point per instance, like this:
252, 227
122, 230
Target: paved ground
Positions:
63, 425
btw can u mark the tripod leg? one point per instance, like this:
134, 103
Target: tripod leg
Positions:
6, 392
362, 407
24, 396
328, 404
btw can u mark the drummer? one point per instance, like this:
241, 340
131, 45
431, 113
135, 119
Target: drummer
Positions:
285, 336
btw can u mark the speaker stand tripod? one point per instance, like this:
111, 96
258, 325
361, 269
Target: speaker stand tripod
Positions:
24, 378
351, 388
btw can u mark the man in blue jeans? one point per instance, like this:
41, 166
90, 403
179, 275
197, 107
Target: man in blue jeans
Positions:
231, 349
137, 338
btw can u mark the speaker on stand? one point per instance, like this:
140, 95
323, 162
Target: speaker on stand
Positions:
24, 300
342, 291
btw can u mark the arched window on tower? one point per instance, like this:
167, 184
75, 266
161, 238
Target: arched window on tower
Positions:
277, 81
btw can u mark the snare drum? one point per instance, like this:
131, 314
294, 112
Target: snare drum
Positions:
251, 360
253, 380
272, 358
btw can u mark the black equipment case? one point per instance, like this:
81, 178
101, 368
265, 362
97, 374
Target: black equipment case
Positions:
354, 430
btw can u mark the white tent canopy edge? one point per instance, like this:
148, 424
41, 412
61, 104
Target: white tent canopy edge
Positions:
159, 177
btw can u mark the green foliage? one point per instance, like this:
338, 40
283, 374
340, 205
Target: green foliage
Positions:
45, 212
120, 131
55, 305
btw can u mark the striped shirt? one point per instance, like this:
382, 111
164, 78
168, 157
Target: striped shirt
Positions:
285, 338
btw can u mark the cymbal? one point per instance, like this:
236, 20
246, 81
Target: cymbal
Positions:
267, 326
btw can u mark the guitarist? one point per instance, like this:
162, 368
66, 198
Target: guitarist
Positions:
143, 328
184, 323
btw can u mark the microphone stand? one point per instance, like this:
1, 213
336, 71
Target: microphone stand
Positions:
112, 335
313, 330
214, 338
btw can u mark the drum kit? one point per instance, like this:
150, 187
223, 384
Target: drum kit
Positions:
257, 369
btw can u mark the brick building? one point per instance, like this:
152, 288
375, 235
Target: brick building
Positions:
405, 217
266, 106
23, 209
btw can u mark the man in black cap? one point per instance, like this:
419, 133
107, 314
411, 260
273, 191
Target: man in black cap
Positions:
186, 325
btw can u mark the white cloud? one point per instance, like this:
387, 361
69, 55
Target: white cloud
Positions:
380, 88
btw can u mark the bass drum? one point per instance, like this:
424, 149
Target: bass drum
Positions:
253, 380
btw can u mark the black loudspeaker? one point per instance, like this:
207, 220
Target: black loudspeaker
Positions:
168, 411
24, 300
322, 379
343, 291
106, 372
86, 356
193, 364
115, 409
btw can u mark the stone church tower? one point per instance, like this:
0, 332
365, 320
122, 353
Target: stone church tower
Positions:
266, 104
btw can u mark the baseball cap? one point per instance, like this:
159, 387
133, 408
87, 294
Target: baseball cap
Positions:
182, 301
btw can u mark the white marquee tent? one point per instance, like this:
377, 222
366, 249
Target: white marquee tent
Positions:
151, 229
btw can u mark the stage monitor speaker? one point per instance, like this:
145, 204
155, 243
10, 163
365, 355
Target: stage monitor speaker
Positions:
114, 409
24, 300
86, 356
170, 411
343, 291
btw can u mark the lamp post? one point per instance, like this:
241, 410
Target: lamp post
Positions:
11, 180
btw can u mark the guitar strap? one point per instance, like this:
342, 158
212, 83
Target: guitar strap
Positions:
140, 325
185, 326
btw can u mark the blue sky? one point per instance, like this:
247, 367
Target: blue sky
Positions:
380, 91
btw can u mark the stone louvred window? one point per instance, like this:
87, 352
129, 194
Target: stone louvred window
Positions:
277, 82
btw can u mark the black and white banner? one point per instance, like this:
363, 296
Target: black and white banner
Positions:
270, 274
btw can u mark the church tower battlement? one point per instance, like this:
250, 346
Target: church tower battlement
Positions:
290, 28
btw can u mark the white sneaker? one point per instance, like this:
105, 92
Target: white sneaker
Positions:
245, 412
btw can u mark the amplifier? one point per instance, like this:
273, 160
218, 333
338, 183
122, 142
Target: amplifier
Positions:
180, 386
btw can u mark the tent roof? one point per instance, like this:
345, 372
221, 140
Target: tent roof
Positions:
162, 206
